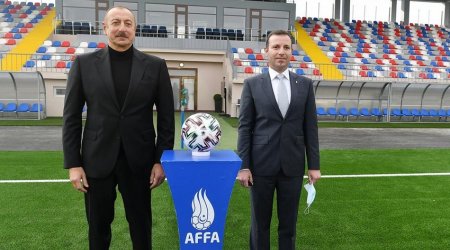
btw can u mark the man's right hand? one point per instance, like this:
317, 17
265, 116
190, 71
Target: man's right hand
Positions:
245, 178
78, 179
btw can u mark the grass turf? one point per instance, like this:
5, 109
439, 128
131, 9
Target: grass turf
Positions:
352, 213
234, 122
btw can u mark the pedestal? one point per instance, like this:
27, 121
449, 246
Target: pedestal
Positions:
201, 189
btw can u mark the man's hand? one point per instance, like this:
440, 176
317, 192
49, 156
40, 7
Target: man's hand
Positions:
78, 179
313, 176
245, 177
157, 176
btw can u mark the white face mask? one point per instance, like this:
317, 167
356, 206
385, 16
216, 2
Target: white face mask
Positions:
311, 195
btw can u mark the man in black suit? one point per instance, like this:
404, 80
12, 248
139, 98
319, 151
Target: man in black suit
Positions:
278, 125
119, 147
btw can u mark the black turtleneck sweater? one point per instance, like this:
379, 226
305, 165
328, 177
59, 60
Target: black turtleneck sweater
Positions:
121, 71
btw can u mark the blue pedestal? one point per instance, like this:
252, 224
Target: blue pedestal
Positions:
201, 189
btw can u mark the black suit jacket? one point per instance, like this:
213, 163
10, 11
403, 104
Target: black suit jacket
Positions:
107, 125
267, 141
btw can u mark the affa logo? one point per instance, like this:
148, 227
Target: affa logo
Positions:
202, 211
202, 218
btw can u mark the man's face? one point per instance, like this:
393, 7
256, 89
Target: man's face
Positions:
120, 27
279, 52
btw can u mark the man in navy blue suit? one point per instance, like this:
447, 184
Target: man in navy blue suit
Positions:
278, 127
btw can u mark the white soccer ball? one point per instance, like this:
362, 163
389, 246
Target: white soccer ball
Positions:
201, 132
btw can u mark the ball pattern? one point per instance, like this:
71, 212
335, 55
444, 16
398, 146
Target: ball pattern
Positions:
201, 132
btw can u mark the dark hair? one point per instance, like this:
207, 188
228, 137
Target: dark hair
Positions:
278, 33
121, 8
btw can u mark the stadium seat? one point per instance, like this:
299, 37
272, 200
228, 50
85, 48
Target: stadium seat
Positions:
332, 111
23, 107
92, 45
10, 107
248, 70
376, 112
36, 107
364, 112
354, 111
321, 111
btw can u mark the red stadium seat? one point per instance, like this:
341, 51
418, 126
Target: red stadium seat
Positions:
293, 59
259, 57
8, 35
393, 74
61, 65
364, 67
101, 45
248, 70
379, 62
11, 42
28, 25
237, 63
363, 73
248, 51
335, 60
316, 72
23, 30
65, 44
70, 50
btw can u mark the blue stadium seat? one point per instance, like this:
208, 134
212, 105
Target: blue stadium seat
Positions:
300, 72
265, 70
424, 112
41, 50
442, 113
295, 52
321, 111
29, 64
92, 45
354, 112
36, 107
343, 112
434, 113
332, 111
234, 50
23, 107
1, 107
364, 112
415, 112
406, 112
56, 44
396, 112
10, 107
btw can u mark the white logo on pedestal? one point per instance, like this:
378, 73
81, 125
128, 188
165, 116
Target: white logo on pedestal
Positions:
202, 211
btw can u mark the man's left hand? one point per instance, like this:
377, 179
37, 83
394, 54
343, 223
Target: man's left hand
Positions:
157, 176
313, 176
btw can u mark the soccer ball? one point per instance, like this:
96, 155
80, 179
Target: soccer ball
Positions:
201, 132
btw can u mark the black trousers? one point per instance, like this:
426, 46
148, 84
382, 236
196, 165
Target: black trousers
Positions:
288, 196
99, 202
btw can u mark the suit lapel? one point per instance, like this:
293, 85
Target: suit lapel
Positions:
294, 92
137, 71
104, 71
267, 88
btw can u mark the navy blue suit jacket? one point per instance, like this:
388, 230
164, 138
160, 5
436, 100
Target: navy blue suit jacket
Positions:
268, 142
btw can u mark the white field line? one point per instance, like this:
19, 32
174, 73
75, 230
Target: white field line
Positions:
323, 176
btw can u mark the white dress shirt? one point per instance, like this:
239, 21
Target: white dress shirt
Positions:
286, 81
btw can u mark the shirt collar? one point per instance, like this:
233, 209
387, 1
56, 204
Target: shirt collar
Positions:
274, 74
